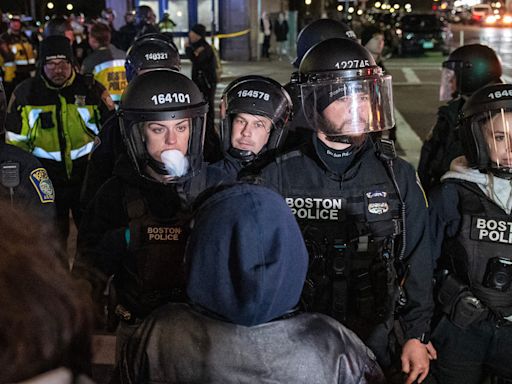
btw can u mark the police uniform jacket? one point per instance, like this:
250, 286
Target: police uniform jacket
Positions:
470, 219
34, 194
58, 125
108, 146
106, 64
116, 240
19, 59
337, 204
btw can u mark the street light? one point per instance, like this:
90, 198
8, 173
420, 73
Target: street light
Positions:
50, 5
69, 6
307, 2
377, 4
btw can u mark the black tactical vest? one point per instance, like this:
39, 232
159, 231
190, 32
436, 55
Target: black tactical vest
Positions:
481, 253
153, 272
347, 221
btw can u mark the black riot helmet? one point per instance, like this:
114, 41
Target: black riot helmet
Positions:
485, 129
255, 95
317, 31
344, 93
151, 51
471, 67
162, 95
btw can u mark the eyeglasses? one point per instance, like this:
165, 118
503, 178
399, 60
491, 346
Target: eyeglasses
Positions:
51, 65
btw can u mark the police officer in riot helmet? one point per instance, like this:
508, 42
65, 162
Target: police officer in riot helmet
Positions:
466, 69
254, 114
149, 52
344, 188
470, 217
312, 34
134, 228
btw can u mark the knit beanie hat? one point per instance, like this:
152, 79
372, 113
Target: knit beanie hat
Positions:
55, 47
199, 29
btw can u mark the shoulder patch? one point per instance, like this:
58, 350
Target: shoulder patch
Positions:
43, 185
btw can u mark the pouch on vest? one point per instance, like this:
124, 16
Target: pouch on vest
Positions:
46, 120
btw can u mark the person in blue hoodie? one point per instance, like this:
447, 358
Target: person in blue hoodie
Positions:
241, 323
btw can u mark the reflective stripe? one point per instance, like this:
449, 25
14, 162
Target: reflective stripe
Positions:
85, 114
115, 98
109, 64
43, 154
85, 150
33, 115
75, 153
9, 64
24, 62
13, 137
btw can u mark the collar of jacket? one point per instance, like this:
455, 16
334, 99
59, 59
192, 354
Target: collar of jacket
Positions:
351, 170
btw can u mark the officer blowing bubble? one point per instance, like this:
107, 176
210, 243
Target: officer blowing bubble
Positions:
470, 218
135, 228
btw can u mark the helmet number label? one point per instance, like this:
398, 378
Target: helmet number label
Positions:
255, 94
156, 56
500, 94
349, 64
163, 98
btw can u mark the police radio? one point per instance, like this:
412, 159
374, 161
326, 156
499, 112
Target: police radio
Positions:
10, 176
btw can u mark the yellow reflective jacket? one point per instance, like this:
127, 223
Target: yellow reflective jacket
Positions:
57, 125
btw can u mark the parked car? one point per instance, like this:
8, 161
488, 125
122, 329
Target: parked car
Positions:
420, 32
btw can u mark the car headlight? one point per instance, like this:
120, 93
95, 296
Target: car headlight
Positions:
490, 19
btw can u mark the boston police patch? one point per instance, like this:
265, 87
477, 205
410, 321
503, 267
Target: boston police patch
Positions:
43, 185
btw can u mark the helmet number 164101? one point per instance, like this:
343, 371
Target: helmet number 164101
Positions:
163, 98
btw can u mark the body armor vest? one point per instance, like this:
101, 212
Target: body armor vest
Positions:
153, 272
481, 253
349, 224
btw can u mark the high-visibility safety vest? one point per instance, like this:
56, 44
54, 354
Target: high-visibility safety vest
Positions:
57, 124
23, 56
112, 75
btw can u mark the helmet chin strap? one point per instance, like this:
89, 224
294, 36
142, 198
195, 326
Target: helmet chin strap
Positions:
504, 173
239, 154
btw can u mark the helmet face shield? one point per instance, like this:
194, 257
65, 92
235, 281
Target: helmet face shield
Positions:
495, 129
339, 107
448, 85
164, 146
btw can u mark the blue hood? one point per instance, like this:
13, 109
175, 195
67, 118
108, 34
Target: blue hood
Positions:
246, 257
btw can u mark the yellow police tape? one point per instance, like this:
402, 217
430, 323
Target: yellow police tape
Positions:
234, 34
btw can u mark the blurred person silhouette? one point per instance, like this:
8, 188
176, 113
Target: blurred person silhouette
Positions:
281, 31
166, 24
129, 30
266, 31
46, 319
145, 20
204, 74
